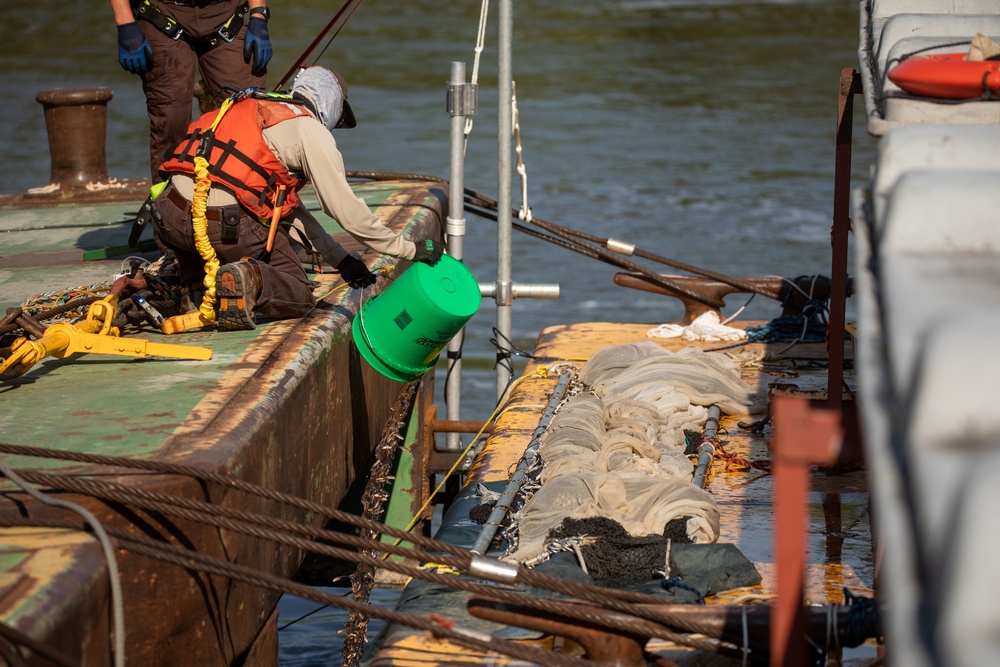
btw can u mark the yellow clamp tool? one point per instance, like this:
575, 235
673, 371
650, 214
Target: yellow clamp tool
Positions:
95, 335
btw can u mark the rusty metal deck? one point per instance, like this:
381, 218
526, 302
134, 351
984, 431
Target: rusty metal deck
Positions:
290, 405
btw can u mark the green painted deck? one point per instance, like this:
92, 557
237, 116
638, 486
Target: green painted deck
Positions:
290, 405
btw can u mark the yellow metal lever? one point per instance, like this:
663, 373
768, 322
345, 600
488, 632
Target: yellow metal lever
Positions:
61, 340
83, 341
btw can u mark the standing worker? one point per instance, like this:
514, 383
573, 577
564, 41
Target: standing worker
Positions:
161, 40
253, 156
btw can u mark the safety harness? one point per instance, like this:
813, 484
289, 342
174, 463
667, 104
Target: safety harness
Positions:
255, 178
144, 11
205, 315
240, 159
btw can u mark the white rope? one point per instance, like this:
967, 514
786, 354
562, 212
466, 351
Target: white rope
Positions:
117, 601
480, 44
737, 313
525, 212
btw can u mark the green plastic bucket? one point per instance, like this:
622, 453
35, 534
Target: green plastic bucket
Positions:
401, 332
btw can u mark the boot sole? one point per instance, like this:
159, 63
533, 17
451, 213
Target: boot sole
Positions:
233, 313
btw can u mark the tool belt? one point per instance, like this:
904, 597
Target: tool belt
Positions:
143, 11
228, 217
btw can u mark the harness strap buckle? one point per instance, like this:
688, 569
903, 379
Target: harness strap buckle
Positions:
228, 30
160, 21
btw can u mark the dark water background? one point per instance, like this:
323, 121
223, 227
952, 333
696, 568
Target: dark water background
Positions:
701, 130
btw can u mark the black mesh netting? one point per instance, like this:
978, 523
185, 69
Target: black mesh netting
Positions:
618, 557
616, 554
481, 513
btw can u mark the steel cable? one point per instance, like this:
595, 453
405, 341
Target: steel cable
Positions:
289, 533
485, 204
228, 481
193, 560
636, 622
436, 550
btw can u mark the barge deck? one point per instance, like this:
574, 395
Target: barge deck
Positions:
290, 405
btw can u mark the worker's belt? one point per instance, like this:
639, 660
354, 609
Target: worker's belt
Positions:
227, 216
144, 11
192, 3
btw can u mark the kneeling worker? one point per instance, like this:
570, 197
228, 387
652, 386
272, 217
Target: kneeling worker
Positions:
253, 155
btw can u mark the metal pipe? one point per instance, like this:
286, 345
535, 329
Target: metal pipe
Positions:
505, 131
526, 463
706, 452
522, 290
461, 105
462, 426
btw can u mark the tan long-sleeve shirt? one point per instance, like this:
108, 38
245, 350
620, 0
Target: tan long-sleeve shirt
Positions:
304, 146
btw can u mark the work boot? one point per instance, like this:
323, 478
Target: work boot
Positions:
237, 286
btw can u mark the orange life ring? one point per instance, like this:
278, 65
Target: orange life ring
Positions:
948, 75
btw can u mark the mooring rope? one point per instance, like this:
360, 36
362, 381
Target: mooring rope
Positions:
373, 503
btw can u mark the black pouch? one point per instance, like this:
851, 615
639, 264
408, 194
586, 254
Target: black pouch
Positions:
231, 224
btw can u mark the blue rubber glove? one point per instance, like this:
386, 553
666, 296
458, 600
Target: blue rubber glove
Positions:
428, 251
258, 45
134, 52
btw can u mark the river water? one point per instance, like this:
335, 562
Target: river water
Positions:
701, 130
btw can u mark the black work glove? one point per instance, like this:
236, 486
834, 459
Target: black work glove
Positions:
257, 43
428, 251
135, 55
355, 273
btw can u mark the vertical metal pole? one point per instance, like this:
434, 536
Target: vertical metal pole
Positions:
504, 290
455, 230
850, 85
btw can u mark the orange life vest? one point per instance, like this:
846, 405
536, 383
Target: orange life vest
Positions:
240, 159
